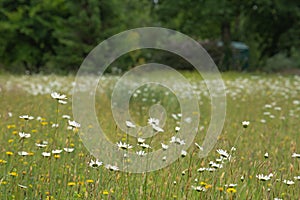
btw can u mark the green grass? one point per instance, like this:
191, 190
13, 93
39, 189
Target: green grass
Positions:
71, 177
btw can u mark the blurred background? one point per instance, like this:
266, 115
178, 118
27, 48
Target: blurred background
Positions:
54, 36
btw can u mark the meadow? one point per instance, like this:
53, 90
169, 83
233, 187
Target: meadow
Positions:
43, 157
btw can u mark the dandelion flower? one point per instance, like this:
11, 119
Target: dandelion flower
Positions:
231, 190
71, 183
13, 174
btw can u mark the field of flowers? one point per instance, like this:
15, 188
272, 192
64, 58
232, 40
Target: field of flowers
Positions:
257, 156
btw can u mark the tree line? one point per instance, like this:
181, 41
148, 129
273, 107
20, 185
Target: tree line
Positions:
55, 35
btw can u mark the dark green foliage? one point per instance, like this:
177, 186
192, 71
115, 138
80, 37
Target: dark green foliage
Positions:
56, 35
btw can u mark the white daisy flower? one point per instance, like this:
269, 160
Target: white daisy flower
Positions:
199, 188
74, 124
177, 128
264, 177
157, 128
215, 165
295, 155
145, 146
62, 102
124, 145
141, 140
183, 153
223, 153
23, 153
164, 158
177, 141
197, 145
129, 124
56, 151
95, 163
153, 121
24, 135
202, 169
266, 155
46, 154
22, 186
297, 177
66, 117
69, 150
55, 125
164, 146
58, 96
245, 124
141, 153
40, 145
111, 167
288, 182
26, 117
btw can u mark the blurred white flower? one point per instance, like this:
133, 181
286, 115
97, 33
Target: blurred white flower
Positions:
58, 96
129, 124
177, 141
69, 150
295, 155
23, 153
288, 182
245, 124
141, 140
112, 167
164, 146
74, 124
95, 163
124, 145
24, 135
57, 151
46, 154
26, 117
145, 146
141, 153
223, 153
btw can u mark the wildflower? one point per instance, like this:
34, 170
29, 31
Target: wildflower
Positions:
223, 153
13, 174
3, 161
231, 190
264, 177
288, 182
183, 153
183, 173
199, 188
56, 156
40, 145
69, 150
245, 124
231, 185
242, 178
157, 128
23, 153
129, 124
220, 189
111, 167
295, 155
215, 165
297, 177
62, 102
210, 169
153, 121
74, 124
24, 135
145, 146
197, 145
141, 153
90, 181
55, 125
164, 158
164, 146
95, 163
177, 128
177, 141
58, 96
202, 169
233, 149
9, 153
66, 117
71, 183
22, 186
141, 140
57, 151
124, 145
105, 192
46, 154
266, 155
26, 117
